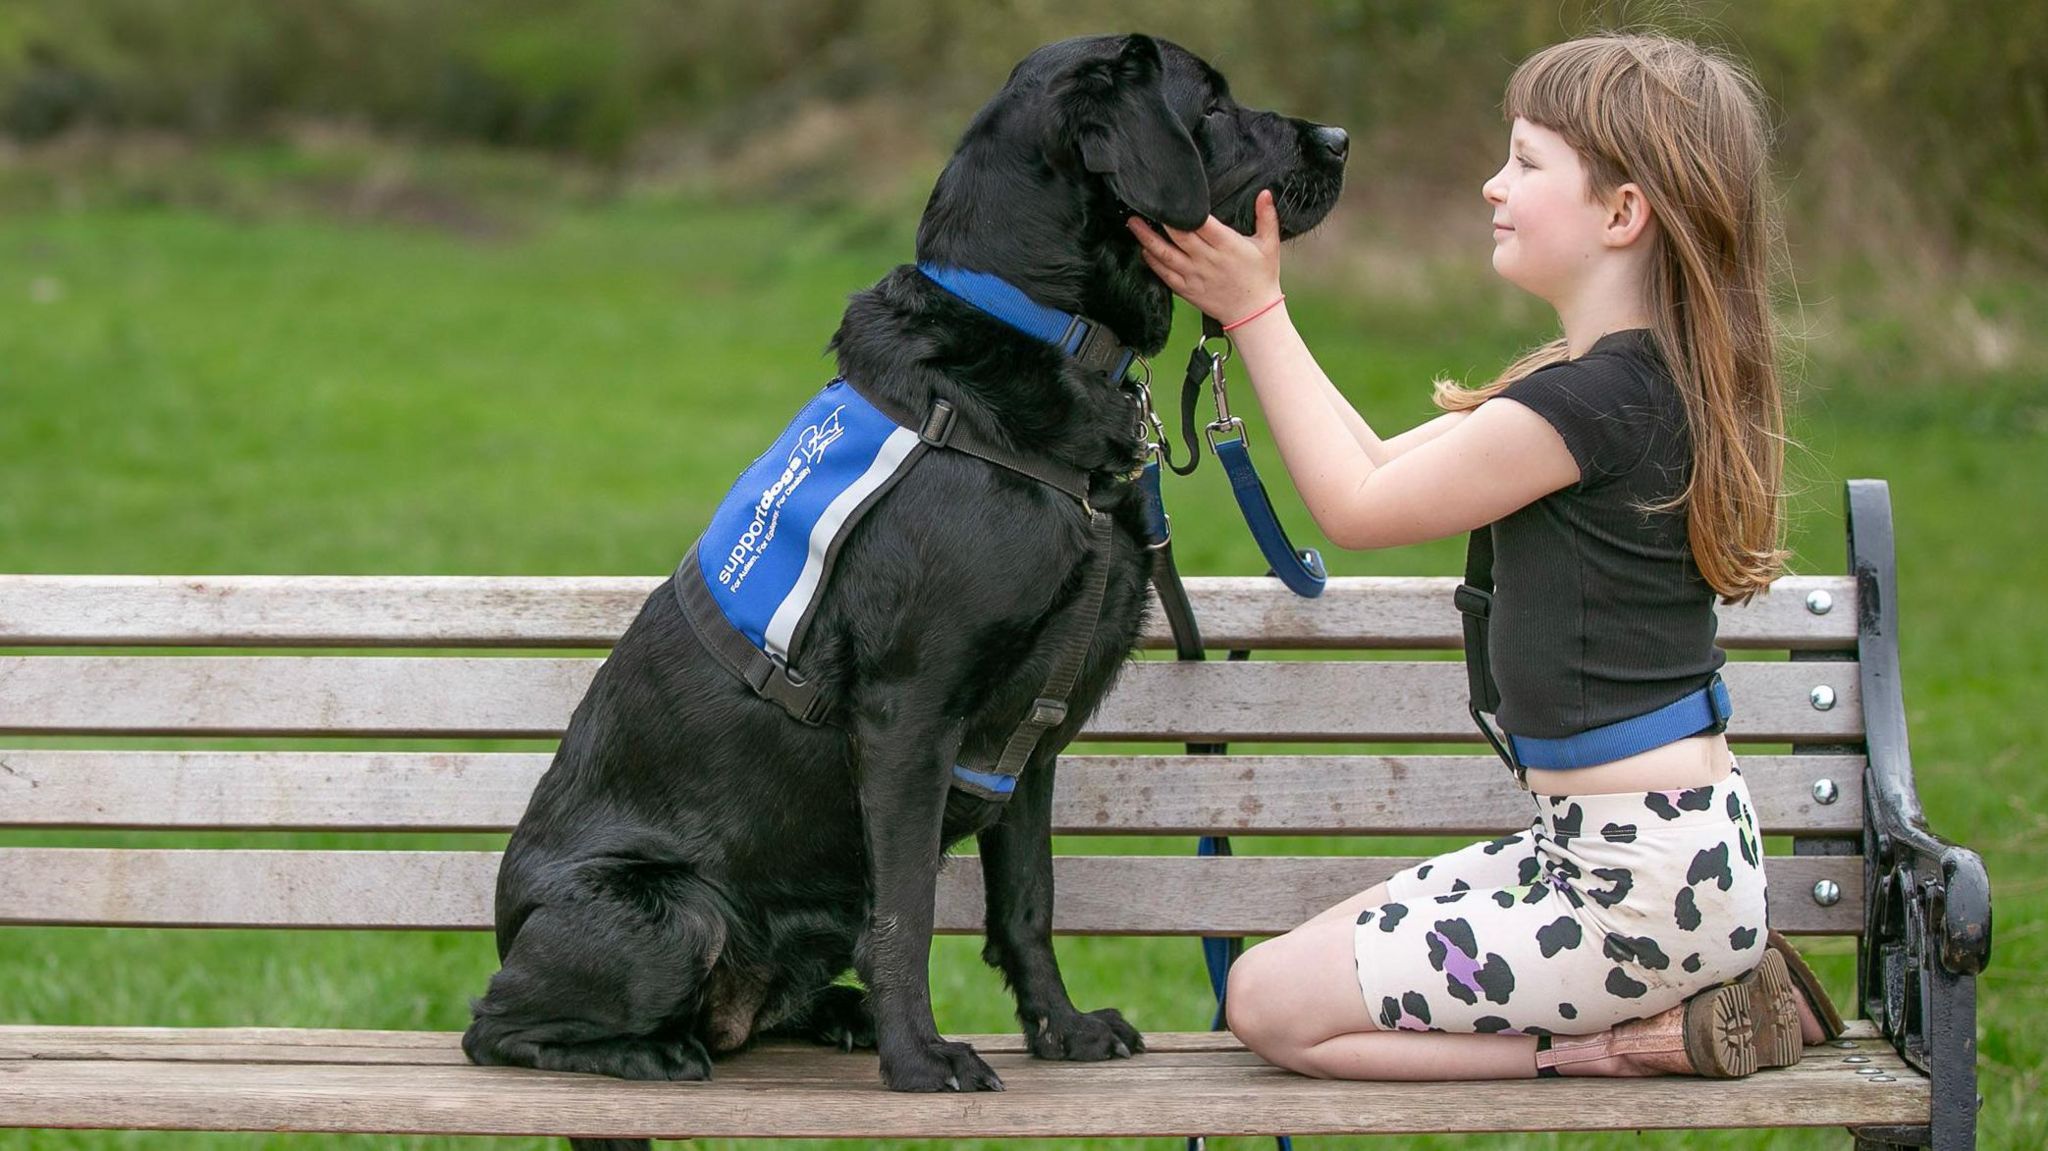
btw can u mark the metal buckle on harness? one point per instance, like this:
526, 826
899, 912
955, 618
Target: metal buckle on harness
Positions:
938, 425
773, 679
1047, 712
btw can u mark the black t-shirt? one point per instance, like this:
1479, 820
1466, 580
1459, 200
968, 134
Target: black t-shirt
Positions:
1599, 612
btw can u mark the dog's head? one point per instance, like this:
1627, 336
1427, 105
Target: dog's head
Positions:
1160, 129
1089, 131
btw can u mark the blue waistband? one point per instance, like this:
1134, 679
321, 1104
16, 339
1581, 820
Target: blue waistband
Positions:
1709, 707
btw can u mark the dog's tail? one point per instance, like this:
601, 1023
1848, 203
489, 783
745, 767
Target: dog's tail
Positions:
611, 1145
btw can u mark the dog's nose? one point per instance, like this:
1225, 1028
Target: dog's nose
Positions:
1333, 141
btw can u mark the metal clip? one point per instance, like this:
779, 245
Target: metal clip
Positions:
1148, 419
1216, 380
1224, 425
1224, 421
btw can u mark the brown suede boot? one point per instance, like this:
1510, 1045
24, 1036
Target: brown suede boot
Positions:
1774, 1009
1710, 1034
1818, 1019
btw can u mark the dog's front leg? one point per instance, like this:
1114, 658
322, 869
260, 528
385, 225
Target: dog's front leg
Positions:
904, 777
1016, 861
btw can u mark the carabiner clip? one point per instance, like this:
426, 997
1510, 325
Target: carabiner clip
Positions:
1225, 425
1216, 381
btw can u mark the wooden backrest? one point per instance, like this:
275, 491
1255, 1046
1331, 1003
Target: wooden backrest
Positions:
105, 707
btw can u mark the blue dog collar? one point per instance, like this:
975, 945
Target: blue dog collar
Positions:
1707, 708
1089, 341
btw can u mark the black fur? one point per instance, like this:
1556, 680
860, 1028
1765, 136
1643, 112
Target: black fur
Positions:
696, 868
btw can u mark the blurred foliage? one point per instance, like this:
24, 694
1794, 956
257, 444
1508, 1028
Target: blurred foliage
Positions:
1951, 97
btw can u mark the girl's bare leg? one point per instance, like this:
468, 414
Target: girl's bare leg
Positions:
1294, 1001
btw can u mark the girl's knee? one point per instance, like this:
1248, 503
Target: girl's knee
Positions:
1249, 1007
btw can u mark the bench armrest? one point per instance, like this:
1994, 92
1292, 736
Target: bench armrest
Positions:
1927, 902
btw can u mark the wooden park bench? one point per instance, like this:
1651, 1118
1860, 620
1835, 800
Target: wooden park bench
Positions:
1862, 863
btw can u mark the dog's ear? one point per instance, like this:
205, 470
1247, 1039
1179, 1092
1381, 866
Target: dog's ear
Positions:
1112, 106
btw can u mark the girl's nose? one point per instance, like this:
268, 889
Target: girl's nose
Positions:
1494, 190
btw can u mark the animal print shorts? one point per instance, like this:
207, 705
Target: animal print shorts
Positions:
1609, 908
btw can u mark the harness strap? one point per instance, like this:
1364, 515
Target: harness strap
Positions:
1707, 709
1049, 710
941, 428
770, 678
1474, 599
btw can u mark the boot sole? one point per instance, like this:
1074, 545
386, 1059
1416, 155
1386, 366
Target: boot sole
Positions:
1772, 1006
1720, 1037
1807, 985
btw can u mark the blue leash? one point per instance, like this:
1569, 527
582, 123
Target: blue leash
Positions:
1301, 569
1218, 952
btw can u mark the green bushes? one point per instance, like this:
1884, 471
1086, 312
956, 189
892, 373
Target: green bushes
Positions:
1949, 99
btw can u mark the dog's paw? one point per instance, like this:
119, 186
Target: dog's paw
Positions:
938, 1066
842, 1018
1086, 1037
681, 1059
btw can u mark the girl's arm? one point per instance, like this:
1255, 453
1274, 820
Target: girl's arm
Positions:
1470, 469
1464, 474
1416, 436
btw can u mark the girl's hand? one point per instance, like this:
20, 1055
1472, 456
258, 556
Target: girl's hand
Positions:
1225, 274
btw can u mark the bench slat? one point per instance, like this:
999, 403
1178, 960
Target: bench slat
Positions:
533, 697
592, 611
1192, 795
819, 1093
334, 1045
452, 890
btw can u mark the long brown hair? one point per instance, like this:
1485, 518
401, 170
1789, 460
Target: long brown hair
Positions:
1687, 127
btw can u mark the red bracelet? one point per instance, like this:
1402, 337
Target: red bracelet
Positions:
1239, 323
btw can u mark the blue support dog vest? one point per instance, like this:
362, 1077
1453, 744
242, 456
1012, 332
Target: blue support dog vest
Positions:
751, 584
771, 542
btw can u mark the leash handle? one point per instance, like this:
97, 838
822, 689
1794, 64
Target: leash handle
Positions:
1301, 569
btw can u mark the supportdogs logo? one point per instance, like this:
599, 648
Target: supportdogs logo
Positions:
753, 543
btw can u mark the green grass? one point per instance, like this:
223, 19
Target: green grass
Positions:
187, 394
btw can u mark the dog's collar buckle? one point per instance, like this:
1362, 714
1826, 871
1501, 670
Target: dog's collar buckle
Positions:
1092, 343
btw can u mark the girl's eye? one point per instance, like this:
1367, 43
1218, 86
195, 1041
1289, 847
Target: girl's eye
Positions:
1524, 161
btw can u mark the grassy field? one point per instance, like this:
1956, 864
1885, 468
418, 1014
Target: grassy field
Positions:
182, 392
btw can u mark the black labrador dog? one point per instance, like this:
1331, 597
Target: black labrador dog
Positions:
698, 868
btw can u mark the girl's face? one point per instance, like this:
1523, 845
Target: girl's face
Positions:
1546, 232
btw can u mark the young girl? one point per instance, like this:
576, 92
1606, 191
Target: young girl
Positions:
1630, 472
